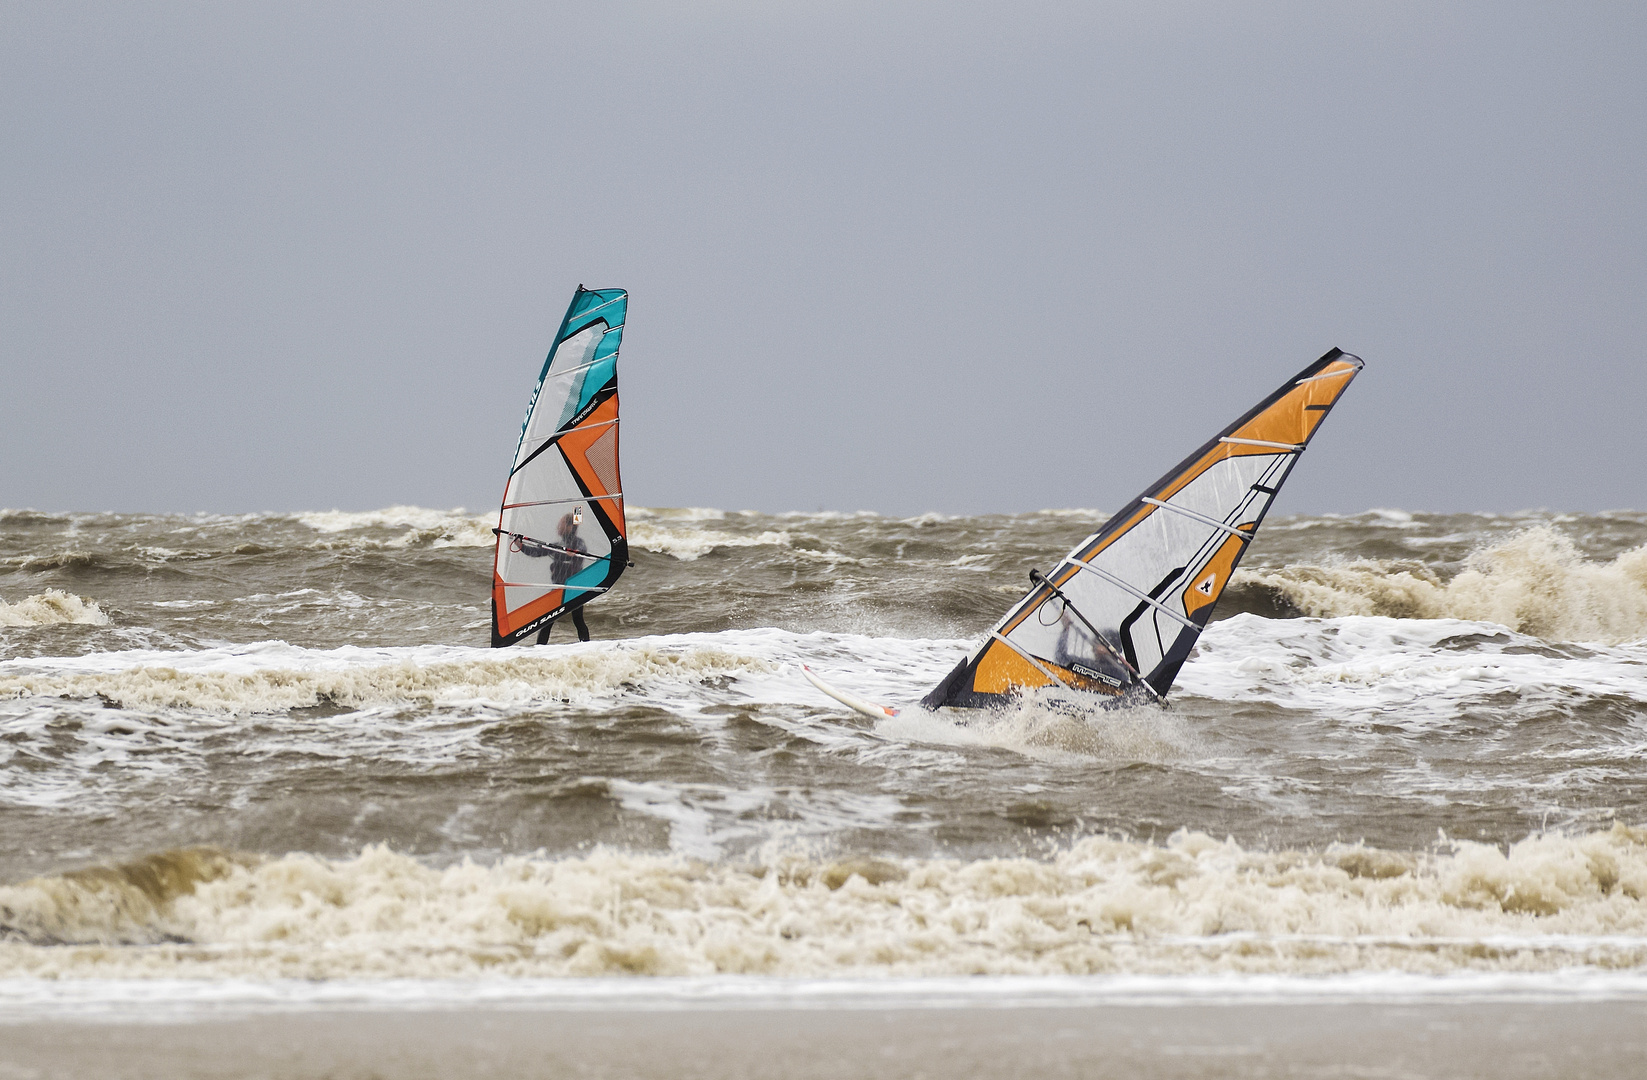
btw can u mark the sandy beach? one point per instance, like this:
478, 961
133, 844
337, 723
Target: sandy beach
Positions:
813, 1030
1473, 1040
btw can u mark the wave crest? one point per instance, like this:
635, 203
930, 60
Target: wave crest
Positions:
691, 543
127, 904
1054, 724
1537, 583
51, 608
571, 675
423, 527
1191, 904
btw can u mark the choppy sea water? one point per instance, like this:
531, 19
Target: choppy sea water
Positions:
276, 746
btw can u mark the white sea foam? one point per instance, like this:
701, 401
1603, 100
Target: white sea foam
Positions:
52, 607
1404, 671
706, 819
686, 533
1338, 666
155, 714
160, 999
1536, 582
1410, 672
675, 513
688, 542
423, 527
1053, 725
931, 518
277, 677
1190, 905
392, 517
1076, 512
833, 516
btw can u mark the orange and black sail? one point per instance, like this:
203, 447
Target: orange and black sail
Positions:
562, 538
1120, 614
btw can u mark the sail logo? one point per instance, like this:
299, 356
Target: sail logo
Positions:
1082, 669
1205, 588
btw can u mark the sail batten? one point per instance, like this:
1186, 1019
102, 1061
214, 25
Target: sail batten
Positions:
1141, 596
1202, 518
565, 502
1120, 613
561, 535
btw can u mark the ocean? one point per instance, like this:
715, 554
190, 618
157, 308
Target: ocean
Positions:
272, 754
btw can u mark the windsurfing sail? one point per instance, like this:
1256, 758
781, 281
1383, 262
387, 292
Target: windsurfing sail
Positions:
1120, 614
561, 535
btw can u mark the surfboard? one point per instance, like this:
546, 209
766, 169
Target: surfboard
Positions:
561, 535
857, 704
1116, 618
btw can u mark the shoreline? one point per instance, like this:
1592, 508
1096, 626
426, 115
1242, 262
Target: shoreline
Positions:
166, 1001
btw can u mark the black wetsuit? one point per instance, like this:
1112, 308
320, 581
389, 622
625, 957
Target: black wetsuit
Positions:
562, 565
577, 622
564, 561
569, 559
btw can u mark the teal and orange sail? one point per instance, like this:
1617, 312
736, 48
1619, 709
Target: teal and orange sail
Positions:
1120, 614
561, 535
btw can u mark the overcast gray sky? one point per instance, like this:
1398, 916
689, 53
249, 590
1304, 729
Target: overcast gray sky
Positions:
888, 256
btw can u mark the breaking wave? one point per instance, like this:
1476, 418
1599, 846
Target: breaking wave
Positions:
685, 533
1055, 724
1189, 905
423, 528
691, 543
569, 675
52, 607
1536, 583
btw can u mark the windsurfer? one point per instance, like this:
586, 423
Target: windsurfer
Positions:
568, 559
565, 561
1078, 651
